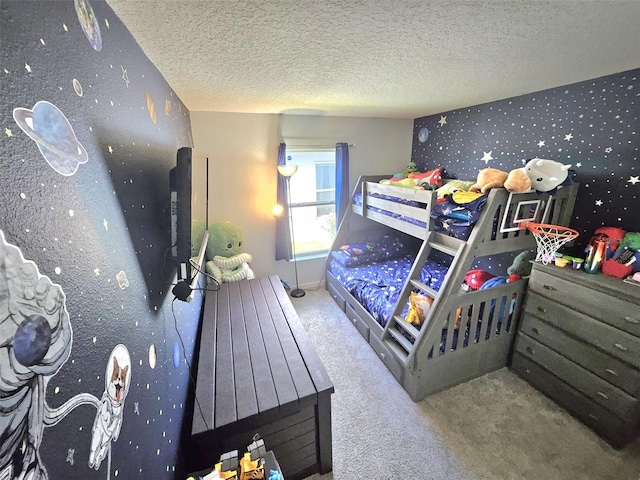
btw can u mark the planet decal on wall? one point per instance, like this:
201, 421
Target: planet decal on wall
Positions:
152, 108
89, 23
77, 87
152, 356
54, 135
176, 354
423, 135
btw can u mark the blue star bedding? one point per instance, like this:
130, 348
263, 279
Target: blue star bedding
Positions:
377, 285
448, 216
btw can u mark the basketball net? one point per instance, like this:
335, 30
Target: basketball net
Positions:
549, 239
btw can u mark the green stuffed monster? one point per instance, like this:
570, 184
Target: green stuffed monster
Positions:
228, 263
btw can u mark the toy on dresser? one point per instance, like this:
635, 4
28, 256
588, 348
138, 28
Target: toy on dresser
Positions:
614, 251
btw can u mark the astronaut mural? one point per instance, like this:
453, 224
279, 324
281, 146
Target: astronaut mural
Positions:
35, 342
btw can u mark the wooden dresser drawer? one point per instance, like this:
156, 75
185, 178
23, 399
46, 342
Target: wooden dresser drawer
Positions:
360, 325
613, 341
617, 312
333, 291
605, 366
591, 414
392, 364
592, 386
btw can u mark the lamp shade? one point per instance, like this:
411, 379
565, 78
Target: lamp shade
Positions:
287, 170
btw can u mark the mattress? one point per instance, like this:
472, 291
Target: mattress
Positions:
377, 285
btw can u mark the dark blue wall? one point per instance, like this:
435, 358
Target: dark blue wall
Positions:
86, 226
592, 125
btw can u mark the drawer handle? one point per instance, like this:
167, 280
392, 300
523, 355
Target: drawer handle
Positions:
611, 372
535, 330
619, 346
531, 350
632, 320
382, 355
353, 320
591, 415
603, 395
542, 309
549, 287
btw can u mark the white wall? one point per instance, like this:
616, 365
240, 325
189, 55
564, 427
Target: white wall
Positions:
243, 148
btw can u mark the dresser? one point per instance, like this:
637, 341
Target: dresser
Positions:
579, 343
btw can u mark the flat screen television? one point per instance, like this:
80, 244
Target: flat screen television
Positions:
188, 182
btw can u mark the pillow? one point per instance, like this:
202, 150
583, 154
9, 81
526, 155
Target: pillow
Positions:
354, 249
453, 186
428, 179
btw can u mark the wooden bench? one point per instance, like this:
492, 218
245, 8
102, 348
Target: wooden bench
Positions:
259, 373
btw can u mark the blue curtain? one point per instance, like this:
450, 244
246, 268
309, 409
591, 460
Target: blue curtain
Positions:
283, 226
342, 181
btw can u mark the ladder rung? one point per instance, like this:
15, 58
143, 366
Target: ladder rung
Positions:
401, 339
411, 330
425, 288
397, 351
452, 251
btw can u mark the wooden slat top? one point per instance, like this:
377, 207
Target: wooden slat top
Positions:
256, 361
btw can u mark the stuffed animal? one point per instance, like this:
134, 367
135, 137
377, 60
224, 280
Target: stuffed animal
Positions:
418, 307
411, 168
521, 266
489, 178
540, 174
228, 263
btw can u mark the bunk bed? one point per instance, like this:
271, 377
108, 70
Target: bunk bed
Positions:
396, 242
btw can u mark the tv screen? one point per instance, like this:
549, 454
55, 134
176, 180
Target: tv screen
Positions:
189, 188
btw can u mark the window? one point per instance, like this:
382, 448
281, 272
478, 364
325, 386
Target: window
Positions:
313, 204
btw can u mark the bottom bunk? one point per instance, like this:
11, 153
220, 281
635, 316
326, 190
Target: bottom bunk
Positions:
475, 335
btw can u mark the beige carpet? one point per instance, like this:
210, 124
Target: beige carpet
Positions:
493, 427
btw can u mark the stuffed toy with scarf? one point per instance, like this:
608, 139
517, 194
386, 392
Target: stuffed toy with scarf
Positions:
228, 263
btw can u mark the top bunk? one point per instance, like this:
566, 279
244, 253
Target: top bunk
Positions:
489, 223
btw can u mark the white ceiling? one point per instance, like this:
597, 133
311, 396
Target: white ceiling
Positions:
377, 58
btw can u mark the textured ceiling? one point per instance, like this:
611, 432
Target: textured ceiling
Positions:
377, 58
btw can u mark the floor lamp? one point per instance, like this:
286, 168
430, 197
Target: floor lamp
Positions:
287, 172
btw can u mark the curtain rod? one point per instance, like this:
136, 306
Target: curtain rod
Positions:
328, 145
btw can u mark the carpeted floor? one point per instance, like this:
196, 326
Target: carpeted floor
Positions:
493, 427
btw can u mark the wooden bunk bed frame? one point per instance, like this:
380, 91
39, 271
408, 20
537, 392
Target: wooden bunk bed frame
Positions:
413, 355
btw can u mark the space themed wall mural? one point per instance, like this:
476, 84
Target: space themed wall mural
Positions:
592, 126
94, 378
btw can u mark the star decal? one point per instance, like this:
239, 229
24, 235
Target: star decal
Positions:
568, 137
27, 67
105, 224
608, 150
443, 120
579, 164
541, 143
634, 180
8, 132
486, 157
97, 272
125, 77
110, 149
599, 203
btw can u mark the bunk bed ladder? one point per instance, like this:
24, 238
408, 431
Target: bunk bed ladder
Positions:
400, 336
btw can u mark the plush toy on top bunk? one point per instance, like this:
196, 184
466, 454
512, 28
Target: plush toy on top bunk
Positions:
410, 177
538, 174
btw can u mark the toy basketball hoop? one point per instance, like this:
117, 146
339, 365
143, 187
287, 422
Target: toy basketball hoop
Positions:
549, 239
